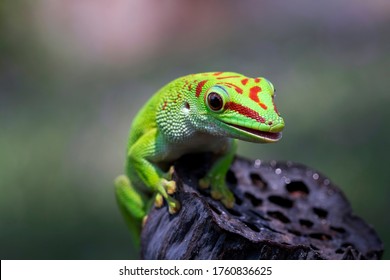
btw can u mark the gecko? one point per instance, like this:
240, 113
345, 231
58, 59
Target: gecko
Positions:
204, 112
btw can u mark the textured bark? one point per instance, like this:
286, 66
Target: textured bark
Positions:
283, 210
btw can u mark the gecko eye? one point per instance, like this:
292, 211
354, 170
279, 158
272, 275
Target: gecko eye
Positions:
214, 101
273, 90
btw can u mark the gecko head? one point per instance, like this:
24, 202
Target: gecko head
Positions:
243, 108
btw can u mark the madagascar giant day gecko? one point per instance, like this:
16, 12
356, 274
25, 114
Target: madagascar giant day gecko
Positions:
202, 112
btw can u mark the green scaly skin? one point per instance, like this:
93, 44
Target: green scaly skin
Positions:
203, 112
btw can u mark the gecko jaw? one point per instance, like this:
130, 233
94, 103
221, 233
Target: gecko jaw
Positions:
264, 135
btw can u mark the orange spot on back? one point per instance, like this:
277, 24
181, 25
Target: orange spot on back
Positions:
217, 73
257, 80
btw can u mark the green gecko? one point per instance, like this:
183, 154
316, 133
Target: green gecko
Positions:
203, 112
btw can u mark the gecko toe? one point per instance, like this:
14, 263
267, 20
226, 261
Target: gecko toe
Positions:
204, 183
158, 201
144, 219
174, 206
170, 186
228, 202
217, 195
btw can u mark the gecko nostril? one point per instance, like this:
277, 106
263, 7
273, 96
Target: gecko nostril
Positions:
270, 123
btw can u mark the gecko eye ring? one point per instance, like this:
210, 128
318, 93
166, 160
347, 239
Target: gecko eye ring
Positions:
215, 101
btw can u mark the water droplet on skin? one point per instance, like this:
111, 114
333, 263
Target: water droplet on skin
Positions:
273, 163
330, 192
257, 163
326, 182
286, 180
278, 171
289, 163
316, 176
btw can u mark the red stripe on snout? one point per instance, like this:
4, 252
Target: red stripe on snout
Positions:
245, 111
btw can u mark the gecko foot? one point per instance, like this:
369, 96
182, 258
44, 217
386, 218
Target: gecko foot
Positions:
204, 183
173, 205
219, 190
170, 186
224, 195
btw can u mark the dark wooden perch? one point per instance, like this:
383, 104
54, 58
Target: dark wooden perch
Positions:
283, 210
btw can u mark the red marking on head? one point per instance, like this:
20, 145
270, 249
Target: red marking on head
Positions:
244, 81
217, 73
238, 89
164, 105
199, 87
227, 77
245, 111
253, 94
257, 80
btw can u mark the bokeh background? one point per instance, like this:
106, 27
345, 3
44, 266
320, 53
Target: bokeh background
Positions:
74, 73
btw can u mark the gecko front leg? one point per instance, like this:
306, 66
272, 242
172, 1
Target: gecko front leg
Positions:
139, 161
216, 176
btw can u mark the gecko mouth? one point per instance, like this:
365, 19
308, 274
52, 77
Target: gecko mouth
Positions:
266, 135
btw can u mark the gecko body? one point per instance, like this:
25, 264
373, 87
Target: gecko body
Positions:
203, 112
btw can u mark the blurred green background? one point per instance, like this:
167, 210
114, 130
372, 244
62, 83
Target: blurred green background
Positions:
74, 73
